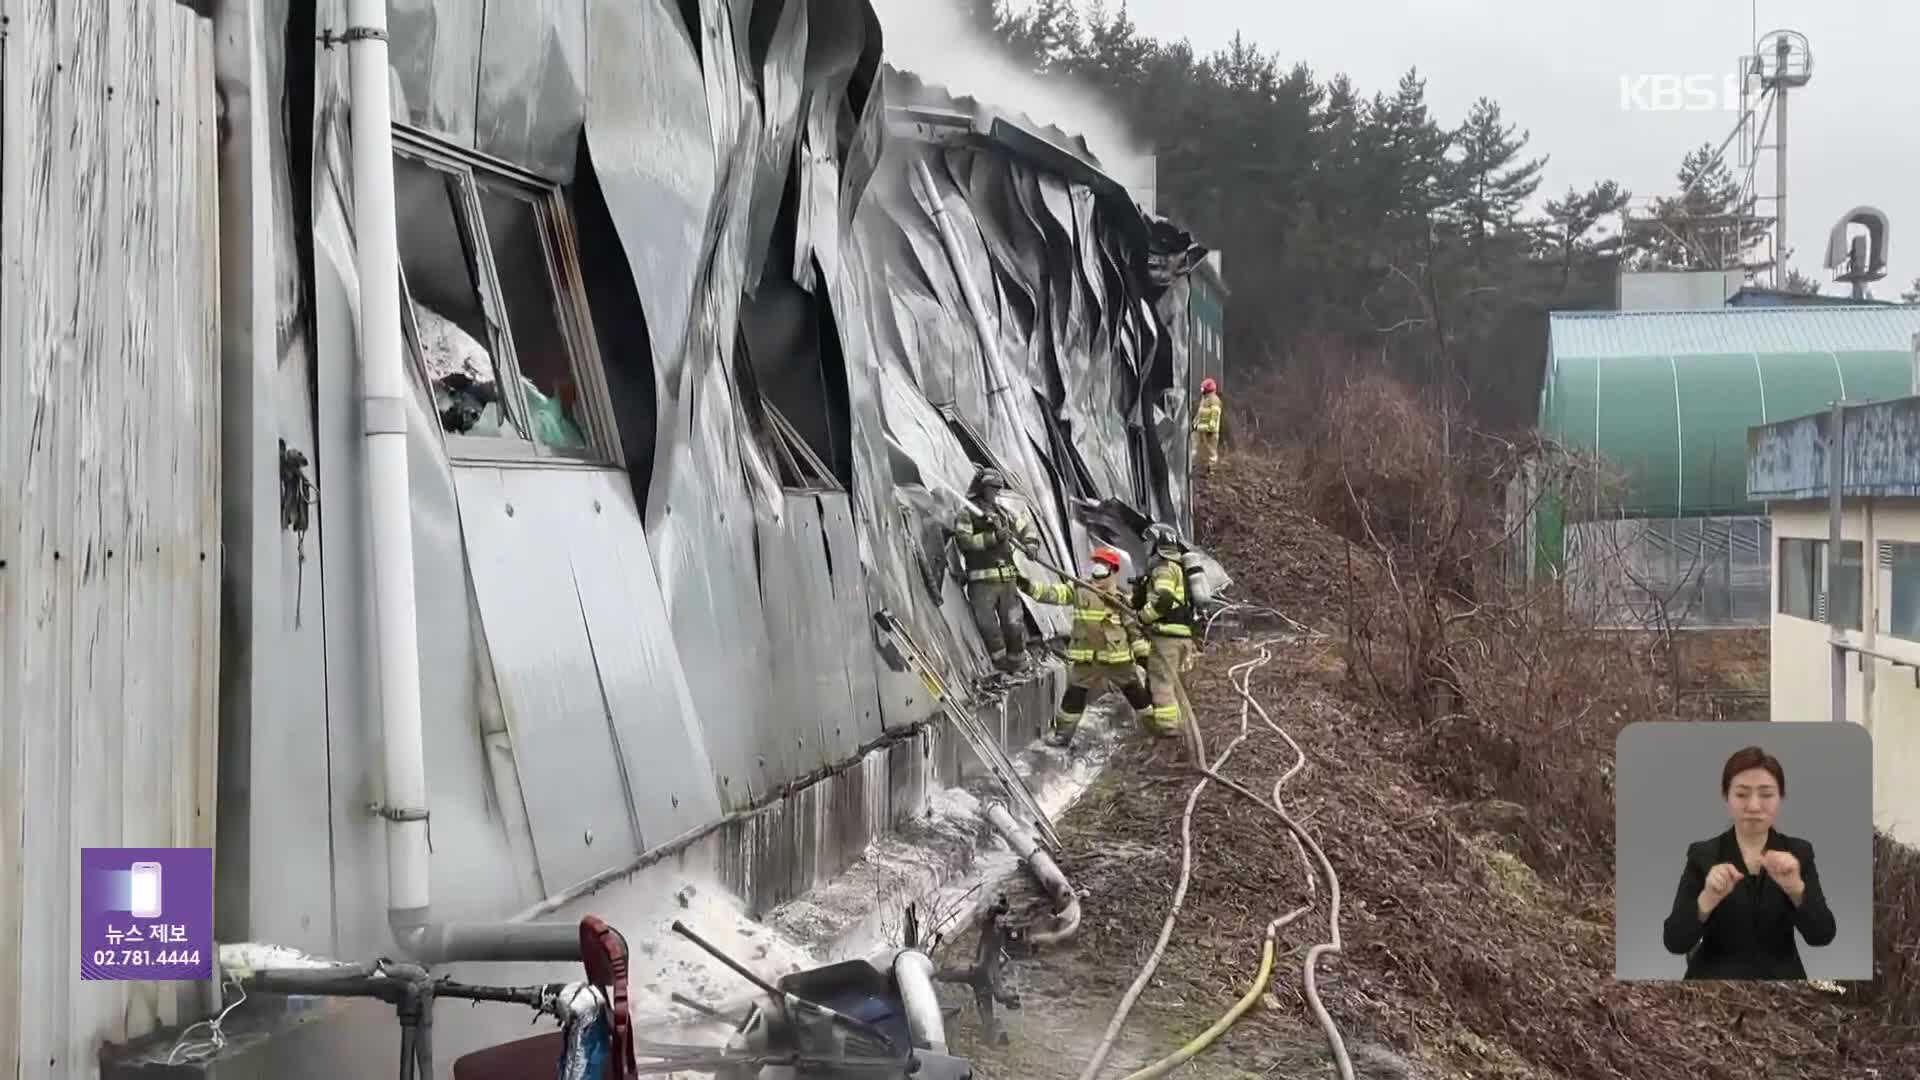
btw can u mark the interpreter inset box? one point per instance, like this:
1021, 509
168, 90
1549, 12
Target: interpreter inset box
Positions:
1743, 851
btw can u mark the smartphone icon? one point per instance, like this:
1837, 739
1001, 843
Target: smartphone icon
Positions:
146, 890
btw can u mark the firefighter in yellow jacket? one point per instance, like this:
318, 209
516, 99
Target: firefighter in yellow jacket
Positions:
1206, 425
1103, 652
1167, 613
987, 536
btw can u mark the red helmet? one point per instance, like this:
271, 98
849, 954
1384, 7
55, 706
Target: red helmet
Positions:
1109, 556
1208, 386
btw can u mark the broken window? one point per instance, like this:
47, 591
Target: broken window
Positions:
498, 320
969, 439
800, 468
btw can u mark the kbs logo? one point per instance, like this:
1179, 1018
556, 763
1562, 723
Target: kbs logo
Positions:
1679, 93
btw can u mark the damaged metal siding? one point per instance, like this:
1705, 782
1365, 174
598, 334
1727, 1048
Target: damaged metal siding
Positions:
475, 871
600, 674
109, 489
504, 77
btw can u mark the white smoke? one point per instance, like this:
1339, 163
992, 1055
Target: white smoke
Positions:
935, 40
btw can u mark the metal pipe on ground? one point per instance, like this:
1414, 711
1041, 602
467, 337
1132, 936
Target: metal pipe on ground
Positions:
1046, 873
913, 974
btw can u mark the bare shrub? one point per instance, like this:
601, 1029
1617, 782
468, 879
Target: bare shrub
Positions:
1273, 406
1519, 693
1516, 692
1894, 993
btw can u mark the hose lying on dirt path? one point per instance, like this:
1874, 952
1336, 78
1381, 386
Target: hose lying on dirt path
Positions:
1334, 1041
1302, 841
1186, 1053
1166, 1065
1241, 675
1139, 986
1220, 1027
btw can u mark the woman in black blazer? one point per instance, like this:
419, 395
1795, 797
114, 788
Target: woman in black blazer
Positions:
1744, 892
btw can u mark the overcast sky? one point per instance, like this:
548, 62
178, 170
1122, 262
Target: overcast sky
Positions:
1555, 67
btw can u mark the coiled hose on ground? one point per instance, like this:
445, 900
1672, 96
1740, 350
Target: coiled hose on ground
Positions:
1241, 675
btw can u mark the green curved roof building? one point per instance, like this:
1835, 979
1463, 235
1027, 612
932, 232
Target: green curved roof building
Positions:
1668, 396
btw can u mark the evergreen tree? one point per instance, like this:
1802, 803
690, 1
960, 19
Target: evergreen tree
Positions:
1047, 34
1409, 152
1576, 231
1709, 225
1491, 183
1116, 58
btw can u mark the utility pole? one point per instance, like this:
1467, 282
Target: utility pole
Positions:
1782, 62
1782, 47
1836, 531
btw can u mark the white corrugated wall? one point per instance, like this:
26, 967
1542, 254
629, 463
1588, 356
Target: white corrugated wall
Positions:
109, 489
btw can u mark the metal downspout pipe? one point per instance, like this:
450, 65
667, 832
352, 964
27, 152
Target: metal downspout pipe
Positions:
383, 368
1066, 902
913, 974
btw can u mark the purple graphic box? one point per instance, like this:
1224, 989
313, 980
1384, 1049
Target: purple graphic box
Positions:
146, 913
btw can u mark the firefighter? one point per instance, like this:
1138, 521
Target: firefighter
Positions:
1167, 613
987, 536
1206, 425
1104, 651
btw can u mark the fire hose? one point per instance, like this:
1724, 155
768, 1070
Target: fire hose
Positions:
1241, 675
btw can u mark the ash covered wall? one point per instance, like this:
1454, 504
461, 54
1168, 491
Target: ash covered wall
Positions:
693, 365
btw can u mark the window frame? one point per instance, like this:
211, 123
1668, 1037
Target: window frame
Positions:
594, 411
1859, 575
801, 470
1820, 590
1892, 555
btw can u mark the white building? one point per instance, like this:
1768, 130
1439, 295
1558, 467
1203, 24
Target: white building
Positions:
1864, 620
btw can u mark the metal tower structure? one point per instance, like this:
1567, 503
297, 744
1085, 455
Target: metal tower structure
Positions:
1781, 62
1751, 234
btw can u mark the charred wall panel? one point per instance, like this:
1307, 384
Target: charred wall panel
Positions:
602, 672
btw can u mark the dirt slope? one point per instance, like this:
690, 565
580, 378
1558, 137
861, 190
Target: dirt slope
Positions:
1460, 960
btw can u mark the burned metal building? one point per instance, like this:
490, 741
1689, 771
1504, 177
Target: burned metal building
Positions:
705, 313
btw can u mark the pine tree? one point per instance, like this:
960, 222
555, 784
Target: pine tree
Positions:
1047, 35
1709, 225
1410, 152
1491, 183
1575, 228
1116, 57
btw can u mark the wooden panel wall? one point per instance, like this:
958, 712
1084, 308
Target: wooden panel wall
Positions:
109, 489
